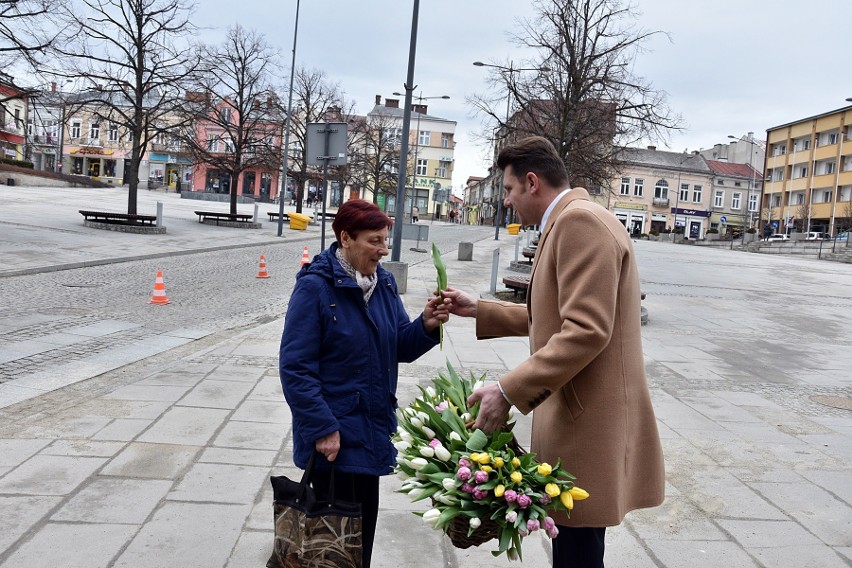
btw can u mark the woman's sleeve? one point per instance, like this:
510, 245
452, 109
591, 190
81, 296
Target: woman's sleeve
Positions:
298, 362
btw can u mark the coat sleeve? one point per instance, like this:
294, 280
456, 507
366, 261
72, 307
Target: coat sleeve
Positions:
588, 261
298, 362
501, 319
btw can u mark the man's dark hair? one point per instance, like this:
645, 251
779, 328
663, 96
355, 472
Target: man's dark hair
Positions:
537, 155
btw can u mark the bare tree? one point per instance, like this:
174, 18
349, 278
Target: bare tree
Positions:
235, 114
132, 67
315, 99
582, 94
27, 29
374, 147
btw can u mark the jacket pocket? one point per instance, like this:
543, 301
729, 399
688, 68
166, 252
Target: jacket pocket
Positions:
346, 409
572, 401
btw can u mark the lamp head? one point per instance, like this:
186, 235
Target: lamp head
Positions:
481, 64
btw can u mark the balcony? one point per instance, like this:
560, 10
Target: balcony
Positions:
660, 202
48, 139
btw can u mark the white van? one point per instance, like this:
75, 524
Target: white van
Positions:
815, 236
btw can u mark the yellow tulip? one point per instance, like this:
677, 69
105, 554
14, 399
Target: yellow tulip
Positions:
498, 462
544, 469
552, 489
474, 457
516, 476
486, 468
483, 458
499, 490
578, 494
516, 463
567, 500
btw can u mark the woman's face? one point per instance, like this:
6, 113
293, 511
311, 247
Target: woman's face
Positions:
365, 251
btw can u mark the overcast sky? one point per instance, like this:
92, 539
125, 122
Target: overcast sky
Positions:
728, 66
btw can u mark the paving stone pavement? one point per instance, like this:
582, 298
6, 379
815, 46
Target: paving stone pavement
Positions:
163, 459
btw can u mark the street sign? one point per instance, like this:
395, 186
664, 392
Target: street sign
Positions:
775, 224
316, 143
723, 219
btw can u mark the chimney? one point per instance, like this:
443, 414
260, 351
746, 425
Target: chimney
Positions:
421, 108
652, 147
53, 87
392, 103
378, 99
695, 152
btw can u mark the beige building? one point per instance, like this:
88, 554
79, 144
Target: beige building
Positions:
809, 174
662, 191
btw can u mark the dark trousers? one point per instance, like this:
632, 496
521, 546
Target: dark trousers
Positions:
362, 489
579, 547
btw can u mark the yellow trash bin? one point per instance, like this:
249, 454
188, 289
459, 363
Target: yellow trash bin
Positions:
299, 221
513, 228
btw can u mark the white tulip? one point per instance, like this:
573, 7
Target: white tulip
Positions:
423, 417
428, 431
416, 422
449, 483
415, 493
406, 437
418, 463
420, 475
402, 475
455, 436
475, 522
427, 452
430, 390
466, 417
401, 459
431, 517
443, 453
478, 385
402, 445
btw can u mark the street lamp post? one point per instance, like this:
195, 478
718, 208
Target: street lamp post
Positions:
508, 72
420, 98
298, 193
750, 183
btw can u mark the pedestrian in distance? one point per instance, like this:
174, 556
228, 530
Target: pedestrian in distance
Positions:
345, 332
415, 214
585, 380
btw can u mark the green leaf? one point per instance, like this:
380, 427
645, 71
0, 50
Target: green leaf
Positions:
501, 440
447, 515
477, 441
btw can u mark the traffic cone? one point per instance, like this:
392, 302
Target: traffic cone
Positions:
305, 258
263, 273
159, 296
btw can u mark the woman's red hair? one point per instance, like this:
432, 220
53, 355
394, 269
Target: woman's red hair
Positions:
358, 215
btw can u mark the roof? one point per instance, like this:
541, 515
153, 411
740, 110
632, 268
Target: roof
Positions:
735, 170
662, 159
397, 112
810, 118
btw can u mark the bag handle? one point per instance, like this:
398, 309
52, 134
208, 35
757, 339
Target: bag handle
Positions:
306, 479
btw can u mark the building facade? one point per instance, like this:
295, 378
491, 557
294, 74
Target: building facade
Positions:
45, 114
735, 197
809, 174
13, 116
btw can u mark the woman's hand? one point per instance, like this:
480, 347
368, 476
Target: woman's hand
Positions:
329, 446
460, 303
435, 313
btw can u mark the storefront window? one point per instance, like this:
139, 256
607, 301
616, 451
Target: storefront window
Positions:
77, 166
109, 168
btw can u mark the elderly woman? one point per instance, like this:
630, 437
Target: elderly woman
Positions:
345, 333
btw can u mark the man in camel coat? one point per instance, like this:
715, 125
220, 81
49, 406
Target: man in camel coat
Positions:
585, 377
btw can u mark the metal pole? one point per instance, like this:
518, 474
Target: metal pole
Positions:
500, 183
325, 160
750, 183
406, 132
287, 134
495, 263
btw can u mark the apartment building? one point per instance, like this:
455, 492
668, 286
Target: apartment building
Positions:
13, 112
662, 191
809, 174
735, 197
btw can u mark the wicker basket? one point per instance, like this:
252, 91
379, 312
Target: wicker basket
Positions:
457, 531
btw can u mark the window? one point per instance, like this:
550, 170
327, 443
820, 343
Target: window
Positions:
94, 131
423, 139
441, 171
832, 138
212, 143
638, 187
661, 190
112, 134
737, 184
445, 140
829, 168
752, 202
229, 144
684, 192
806, 144
109, 168
736, 200
74, 131
17, 118
719, 198
800, 198
29, 127
625, 186
696, 194
225, 115
422, 166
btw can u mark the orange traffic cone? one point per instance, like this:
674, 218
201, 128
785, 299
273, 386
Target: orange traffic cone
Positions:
305, 258
159, 296
263, 273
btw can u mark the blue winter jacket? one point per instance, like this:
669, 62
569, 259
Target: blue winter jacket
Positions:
338, 364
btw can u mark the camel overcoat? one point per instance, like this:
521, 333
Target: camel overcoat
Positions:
585, 377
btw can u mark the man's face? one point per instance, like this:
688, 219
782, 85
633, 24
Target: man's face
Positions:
518, 195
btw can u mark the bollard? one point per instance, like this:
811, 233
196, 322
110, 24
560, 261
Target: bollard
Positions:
495, 263
400, 274
465, 251
517, 247
159, 213
255, 214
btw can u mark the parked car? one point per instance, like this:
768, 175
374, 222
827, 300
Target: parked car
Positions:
816, 236
842, 237
778, 237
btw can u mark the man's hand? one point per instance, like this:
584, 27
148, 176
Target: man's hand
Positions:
461, 303
492, 410
329, 446
437, 311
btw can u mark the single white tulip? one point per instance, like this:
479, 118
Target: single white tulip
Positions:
443, 453
428, 431
448, 483
402, 445
427, 452
431, 517
455, 436
418, 463
475, 522
416, 422
431, 391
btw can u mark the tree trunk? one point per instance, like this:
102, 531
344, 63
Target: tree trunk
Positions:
235, 178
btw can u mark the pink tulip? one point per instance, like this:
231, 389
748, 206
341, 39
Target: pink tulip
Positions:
463, 473
511, 516
481, 476
479, 494
510, 496
434, 443
553, 533
545, 499
522, 531
464, 462
442, 407
548, 523
467, 488
533, 525
524, 501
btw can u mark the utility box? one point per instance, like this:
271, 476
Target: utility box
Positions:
465, 251
299, 221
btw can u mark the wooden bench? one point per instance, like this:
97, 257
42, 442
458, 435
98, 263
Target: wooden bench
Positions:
119, 218
529, 254
218, 216
273, 215
519, 283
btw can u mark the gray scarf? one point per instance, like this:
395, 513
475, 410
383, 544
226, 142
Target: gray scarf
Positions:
366, 283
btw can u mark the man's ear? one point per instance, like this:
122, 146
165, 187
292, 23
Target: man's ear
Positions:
532, 178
